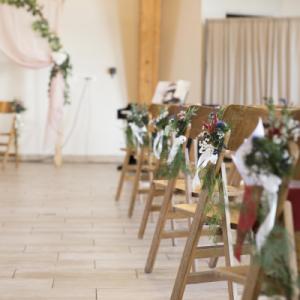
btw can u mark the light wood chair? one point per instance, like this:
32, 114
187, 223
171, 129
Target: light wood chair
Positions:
252, 276
166, 212
243, 121
9, 140
156, 190
128, 172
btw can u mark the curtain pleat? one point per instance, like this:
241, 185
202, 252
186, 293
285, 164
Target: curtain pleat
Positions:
249, 59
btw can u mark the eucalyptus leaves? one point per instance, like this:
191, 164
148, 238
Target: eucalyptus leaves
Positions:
136, 130
41, 25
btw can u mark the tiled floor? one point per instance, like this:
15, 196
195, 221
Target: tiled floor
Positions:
62, 236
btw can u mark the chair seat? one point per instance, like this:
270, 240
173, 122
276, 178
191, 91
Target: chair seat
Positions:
190, 210
181, 186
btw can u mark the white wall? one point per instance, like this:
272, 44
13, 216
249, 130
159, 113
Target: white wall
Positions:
290, 8
98, 34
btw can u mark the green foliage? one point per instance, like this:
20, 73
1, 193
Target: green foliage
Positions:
178, 126
214, 207
268, 157
41, 26
130, 140
140, 117
274, 260
270, 154
18, 106
171, 171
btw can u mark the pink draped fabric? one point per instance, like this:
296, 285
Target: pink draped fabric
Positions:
25, 47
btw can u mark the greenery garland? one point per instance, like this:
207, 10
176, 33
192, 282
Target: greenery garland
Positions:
139, 117
18, 106
212, 139
270, 156
41, 26
161, 125
178, 126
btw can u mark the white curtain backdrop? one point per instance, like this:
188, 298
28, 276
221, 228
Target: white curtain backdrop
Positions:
249, 59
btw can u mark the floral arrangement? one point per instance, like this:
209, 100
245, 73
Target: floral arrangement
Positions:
136, 130
62, 63
211, 143
162, 132
270, 154
18, 106
175, 162
265, 160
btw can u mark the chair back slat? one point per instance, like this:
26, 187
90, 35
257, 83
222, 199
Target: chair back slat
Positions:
199, 119
155, 109
174, 109
242, 120
296, 116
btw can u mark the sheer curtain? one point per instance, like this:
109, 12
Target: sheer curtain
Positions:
249, 59
24, 46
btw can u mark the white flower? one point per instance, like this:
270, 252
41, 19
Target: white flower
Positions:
59, 57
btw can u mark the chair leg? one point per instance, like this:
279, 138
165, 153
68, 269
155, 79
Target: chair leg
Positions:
189, 250
17, 157
213, 262
172, 223
123, 174
6, 154
160, 226
147, 211
136, 182
252, 288
226, 231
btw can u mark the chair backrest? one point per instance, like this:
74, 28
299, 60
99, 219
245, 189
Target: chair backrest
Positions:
242, 120
155, 109
174, 109
6, 107
201, 117
296, 116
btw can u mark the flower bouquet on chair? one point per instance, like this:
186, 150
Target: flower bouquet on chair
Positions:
266, 162
136, 130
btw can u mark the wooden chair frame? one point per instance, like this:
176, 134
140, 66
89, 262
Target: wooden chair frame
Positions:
6, 107
192, 251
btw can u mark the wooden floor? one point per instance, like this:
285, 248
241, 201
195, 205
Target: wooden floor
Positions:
62, 236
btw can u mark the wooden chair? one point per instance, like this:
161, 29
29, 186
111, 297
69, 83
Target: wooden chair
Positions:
156, 190
252, 276
9, 140
128, 171
166, 212
243, 121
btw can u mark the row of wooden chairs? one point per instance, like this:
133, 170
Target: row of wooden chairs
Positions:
242, 120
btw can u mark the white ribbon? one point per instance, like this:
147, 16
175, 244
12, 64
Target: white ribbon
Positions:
208, 156
176, 144
59, 57
138, 132
271, 185
158, 144
269, 182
